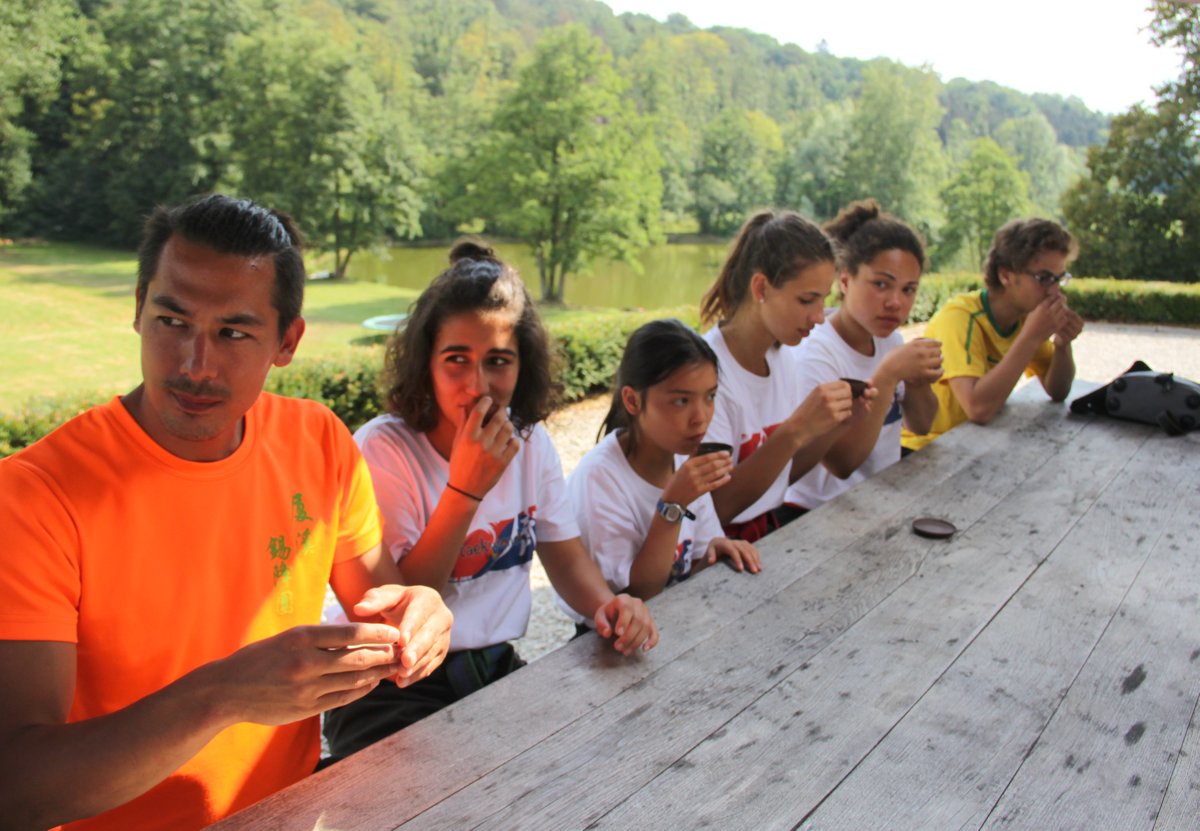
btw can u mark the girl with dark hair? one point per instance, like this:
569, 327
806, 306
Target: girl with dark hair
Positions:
647, 521
469, 484
770, 294
881, 260
1019, 323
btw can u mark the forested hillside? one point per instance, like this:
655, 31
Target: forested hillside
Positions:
583, 132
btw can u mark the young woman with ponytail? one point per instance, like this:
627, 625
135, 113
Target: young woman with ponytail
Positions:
880, 264
769, 295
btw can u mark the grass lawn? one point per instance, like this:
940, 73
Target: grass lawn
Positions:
66, 320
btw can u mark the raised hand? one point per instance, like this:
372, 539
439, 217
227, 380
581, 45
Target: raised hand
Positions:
1046, 319
482, 449
423, 623
827, 406
1069, 329
917, 362
697, 476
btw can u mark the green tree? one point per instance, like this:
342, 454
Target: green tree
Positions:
309, 135
567, 165
895, 154
987, 191
739, 154
1051, 166
147, 121
1137, 212
814, 161
34, 38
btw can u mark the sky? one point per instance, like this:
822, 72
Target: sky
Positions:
1094, 49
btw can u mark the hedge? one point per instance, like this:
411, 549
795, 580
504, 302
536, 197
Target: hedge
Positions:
590, 345
1096, 298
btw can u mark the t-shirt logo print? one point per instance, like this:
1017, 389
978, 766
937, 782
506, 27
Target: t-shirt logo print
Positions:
281, 555
750, 443
506, 544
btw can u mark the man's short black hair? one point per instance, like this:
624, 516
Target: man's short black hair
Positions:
229, 225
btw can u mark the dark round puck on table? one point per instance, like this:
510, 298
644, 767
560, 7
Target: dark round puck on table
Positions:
713, 447
935, 529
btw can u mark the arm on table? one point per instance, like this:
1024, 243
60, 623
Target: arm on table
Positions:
53, 772
578, 580
982, 398
1059, 377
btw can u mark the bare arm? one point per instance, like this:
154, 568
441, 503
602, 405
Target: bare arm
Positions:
53, 772
578, 580
982, 398
479, 457
919, 408
1061, 374
857, 437
800, 440
653, 563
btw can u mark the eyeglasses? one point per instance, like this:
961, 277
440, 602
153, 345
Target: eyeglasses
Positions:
1049, 278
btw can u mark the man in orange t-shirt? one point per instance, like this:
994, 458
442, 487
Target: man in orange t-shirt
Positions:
167, 554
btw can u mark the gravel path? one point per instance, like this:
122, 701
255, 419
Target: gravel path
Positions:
1103, 351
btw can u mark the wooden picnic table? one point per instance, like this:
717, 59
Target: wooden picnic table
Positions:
1039, 669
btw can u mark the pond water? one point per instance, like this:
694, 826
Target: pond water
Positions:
671, 275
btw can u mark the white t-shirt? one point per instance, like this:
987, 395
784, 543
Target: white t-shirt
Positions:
824, 356
748, 409
488, 591
615, 506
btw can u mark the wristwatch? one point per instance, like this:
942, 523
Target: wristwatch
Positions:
672, 511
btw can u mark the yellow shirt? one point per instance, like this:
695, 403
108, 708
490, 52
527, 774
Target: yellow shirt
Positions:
972, 344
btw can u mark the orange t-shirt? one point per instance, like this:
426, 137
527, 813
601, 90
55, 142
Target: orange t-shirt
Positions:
153, 565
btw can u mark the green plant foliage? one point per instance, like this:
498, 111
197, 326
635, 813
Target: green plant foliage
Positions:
567, 164
936, 289
309, 135
39, 417
987, 191
1137, 212
347, 384
1135, 301
590, 345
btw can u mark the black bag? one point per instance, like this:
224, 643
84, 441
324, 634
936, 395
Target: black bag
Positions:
1141, 394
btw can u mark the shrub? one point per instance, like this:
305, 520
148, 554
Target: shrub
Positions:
40, 416
348, 384
590, 345
1135, 301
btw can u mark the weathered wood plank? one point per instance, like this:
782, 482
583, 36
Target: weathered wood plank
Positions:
1181, 808
781, 756
560, 785
1107, 756
951, 757
568, 684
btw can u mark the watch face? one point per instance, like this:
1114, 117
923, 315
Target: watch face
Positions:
671, 512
